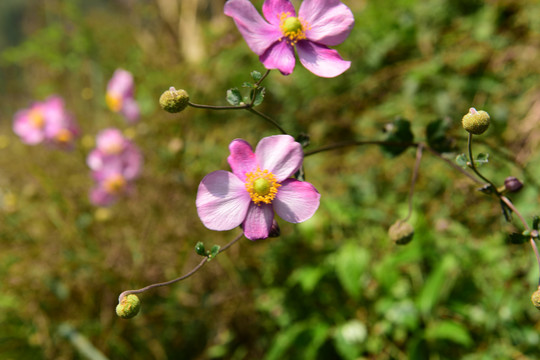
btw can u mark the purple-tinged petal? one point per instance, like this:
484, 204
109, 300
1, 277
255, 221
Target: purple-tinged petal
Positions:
130, 110
320, 60
222, 201
100, 197
280, 155
259, 34
279, 56
258, 222
272, 10
242, 159
296, 201
121, 84
330, 21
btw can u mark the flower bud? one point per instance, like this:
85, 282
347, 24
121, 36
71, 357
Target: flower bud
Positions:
535, 298
129, 306
475, 122
173, 100
512, 184
401, 233
200, 249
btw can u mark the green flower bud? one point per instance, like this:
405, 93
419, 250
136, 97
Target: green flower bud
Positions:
173, 100
475, 122
129, 306
200, 249
401, 233
535, 298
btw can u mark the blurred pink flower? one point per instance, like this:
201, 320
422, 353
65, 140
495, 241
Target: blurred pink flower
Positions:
115, 163
120, 95
259, 184
48, 122
319, 24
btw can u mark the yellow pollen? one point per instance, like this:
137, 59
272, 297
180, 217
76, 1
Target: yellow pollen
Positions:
114, 102
36, 118
114, 184
262, 186
292, 28
64, 136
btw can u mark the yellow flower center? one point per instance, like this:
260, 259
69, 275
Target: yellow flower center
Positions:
262, 186
64, 136
114, 102
37, 119
115, 184
292, 28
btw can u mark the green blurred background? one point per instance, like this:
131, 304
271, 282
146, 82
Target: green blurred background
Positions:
334, 287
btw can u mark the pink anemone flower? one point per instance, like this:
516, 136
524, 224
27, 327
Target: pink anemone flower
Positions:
120, 95
319, 24
260, 183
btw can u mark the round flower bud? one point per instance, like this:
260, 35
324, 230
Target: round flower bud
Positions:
511, 184
173, 100
401, 233
129, 306
475, 122
200, 249
535, 298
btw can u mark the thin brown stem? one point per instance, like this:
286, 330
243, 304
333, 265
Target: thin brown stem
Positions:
419, 150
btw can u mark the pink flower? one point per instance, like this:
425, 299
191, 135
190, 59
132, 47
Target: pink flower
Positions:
319, 24
48, 122
120, 95
115, 163
259, 185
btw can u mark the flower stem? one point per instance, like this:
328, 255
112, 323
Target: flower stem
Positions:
357, 143
170, 282
267, 118
473, 165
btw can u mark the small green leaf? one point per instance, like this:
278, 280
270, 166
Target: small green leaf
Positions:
462, 160
247, 85
517, 238
351, 263
234, 97
259, 96
256, 76
398, 132
199, 249
451, 331
437, 135
481, 159
214, 251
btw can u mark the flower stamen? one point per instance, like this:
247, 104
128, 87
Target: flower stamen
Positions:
114, 184
262, 186
293, 28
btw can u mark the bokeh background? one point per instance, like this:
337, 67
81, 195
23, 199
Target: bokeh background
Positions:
334, 287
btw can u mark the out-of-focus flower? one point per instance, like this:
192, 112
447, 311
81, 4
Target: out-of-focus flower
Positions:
259, 184
115, 163
120, 95
46, 122
319, 24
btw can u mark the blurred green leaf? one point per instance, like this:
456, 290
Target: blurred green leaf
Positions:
437, 284
234, 97
307, 277
451, 331
351, 263
437, 135
462, 160
399, 131
256, 76
259, 96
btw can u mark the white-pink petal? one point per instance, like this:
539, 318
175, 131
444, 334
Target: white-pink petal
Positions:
279, 154
222, 201
296, 201
320, 60
330, 21
258, 221
272, 10
242, 159
279, 56
259, 34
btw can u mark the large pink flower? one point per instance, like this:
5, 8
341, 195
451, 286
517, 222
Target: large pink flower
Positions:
259, 185
319, 24
120, 95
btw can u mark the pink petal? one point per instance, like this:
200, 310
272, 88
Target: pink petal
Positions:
121, 83
320, 60
258, 221
279, 56
100, 197
242, 158
272, 10
280, 155
130, 110
222, 201
330, 21
259, 34
296, 201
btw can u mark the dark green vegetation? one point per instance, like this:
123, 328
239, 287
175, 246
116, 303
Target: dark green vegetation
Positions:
334, 287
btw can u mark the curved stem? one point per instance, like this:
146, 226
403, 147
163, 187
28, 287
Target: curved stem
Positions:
217, 107
414, 178
267, 118
514, 210
473, 165
170, 282
356, 143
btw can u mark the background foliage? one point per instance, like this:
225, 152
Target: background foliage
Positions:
333, 287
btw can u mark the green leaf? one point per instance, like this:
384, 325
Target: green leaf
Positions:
518, 238
437, 284
214, 251
462, 160
307, 277
451, 331
234, 97
481, 159
437, 137
351, 263
259, 96
256, 76
536, 222
247, 85
399, 132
